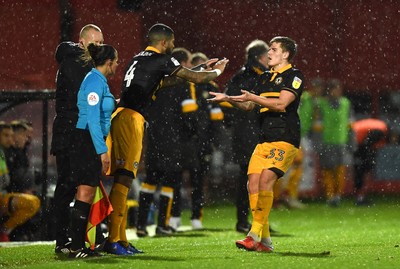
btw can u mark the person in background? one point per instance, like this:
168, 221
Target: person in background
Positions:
245, 125
171, 113
90, 159
371, 135
18, 161
145, 74
277, 97
202, 122
336, 119
15, 208
287, 195
71, 72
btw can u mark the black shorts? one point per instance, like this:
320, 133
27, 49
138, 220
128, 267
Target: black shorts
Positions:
85, 162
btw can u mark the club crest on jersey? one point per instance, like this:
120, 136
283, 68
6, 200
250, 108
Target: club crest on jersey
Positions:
92, 99
175, 61
278, 81
296, 83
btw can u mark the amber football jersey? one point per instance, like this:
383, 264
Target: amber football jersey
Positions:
144, 76
281, 126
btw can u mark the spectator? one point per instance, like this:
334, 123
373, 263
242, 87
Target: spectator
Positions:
15, 208
18, 160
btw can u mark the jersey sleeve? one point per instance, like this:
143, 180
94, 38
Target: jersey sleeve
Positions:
94, 95
67, 49
294, 83
169, 65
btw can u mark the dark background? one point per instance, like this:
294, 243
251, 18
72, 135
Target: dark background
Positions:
356, 41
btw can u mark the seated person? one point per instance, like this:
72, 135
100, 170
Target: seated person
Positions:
15, 208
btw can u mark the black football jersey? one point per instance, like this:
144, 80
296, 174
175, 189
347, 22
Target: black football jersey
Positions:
144, 76
281, 126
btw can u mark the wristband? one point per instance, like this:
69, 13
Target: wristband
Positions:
219, 72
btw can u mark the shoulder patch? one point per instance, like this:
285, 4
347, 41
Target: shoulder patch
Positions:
296, 82
93, 99
175, 61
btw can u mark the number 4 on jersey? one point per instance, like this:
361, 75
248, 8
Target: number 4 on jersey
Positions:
130, 74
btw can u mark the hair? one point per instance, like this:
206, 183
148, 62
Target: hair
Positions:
287, 44
317, 82
198, 57
255, 49
4, 125
333, 83
99, 54
85, 29
159, 32
18, 126
181, 54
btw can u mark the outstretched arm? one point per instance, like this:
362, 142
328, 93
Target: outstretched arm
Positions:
222, 97
202, 76
276, 104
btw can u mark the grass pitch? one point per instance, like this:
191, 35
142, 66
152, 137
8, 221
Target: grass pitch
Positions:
316, 237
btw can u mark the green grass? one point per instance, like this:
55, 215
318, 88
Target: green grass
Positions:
317, 237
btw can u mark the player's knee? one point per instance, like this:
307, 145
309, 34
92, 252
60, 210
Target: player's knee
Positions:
27, 203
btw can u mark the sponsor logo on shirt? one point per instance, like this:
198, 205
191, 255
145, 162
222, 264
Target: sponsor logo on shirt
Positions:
92, 99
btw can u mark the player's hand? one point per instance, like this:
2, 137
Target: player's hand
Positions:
221, 64
218, 97
209, 63
105, 163
244, 97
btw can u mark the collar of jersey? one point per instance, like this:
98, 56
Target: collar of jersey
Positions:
97, 72
153, 49
282, 69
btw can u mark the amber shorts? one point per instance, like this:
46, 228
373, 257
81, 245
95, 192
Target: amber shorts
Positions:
125, 141
275, 156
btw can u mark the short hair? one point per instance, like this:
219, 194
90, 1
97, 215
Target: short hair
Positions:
99, 54
85, 29
18, 126
4, 125
333, 83
181, 54
198, 57
255, 49
317, 82
159, 31
287, 44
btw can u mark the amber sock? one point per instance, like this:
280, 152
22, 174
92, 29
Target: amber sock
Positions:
118, 196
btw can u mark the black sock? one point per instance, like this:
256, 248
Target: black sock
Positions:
164, 210
79, 220
145, 200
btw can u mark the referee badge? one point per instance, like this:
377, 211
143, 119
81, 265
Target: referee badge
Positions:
296, 83
135, 165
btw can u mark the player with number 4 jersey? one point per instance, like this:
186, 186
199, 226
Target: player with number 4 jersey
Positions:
146, 73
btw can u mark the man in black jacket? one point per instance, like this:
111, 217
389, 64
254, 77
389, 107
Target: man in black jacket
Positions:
72, 70
245, 125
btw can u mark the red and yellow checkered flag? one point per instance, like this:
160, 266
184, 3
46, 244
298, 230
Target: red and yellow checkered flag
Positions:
100, 209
